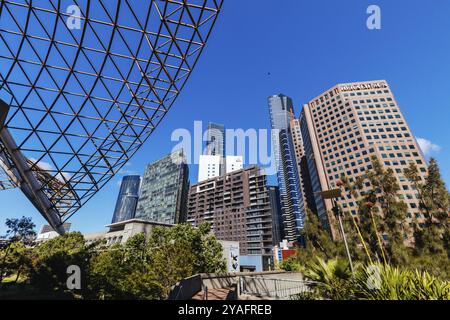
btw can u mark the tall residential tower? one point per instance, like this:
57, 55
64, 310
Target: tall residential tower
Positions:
292, 204
239, 208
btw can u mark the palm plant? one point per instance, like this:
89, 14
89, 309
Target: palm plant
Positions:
332, 278
393, 283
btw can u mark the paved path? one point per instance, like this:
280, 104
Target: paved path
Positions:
213, 294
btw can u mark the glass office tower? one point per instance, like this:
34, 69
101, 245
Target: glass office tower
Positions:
164, 190
127, 199
292, 204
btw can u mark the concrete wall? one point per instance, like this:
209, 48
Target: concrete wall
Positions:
186, 288
214, 281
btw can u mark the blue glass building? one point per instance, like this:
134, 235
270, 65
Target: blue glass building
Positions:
127, 199
292, 204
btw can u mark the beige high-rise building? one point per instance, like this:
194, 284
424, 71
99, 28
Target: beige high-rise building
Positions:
347, 125
297, 139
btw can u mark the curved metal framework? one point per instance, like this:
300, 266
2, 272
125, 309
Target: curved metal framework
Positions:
85, 91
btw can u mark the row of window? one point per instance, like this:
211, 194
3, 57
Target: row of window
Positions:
375, 100
376, 118
378, 111
365, 93
390, 136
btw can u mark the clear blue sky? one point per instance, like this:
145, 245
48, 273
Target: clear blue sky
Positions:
306, 47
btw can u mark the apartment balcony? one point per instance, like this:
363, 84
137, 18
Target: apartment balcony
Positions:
256, 214
254, 252
259, 227
254, 233
254, 241
253, 246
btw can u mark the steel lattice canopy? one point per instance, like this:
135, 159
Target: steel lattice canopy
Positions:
83, 95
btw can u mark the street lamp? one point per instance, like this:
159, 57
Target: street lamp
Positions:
332, 195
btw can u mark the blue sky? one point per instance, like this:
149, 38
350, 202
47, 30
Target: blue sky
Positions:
299, 48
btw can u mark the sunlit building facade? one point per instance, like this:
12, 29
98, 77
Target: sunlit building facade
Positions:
344, 127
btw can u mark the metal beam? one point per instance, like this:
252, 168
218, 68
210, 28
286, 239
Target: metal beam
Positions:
28, 183
4, 108
141, 65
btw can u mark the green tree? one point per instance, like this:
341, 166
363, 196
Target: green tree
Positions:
318, 244
147, 269
19, 260
432, 236
182, 251
53, 257
18, 230
381, 212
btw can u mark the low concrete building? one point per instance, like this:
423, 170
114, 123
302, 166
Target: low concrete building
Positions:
47, 232
120, 232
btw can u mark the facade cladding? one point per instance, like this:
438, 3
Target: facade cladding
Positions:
164, 190
127, 199
238, 207
277, 221
349, 124
291, 198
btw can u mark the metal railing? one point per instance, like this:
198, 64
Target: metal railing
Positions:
272, 287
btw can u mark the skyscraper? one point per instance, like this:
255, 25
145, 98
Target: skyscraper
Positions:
215, 140
277, 222
212, 164
345, 126
127, 199
292, 204
297, 141
164, 190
